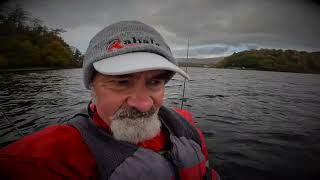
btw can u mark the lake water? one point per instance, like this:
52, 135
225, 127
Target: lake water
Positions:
257, 124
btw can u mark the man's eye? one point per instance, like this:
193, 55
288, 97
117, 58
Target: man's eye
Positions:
156, 82
123, 82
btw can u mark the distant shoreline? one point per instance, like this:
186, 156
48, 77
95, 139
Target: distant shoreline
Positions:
248, 69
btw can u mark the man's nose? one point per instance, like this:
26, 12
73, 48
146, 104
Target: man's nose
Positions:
140, 99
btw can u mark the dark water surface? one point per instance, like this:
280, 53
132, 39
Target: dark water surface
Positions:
258, 125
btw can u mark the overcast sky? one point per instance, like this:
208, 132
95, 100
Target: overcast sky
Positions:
214, 27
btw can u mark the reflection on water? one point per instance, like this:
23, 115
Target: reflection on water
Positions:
258, 125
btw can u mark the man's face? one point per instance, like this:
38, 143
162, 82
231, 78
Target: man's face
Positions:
140, 91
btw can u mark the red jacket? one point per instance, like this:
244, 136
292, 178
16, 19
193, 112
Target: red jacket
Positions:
58, 152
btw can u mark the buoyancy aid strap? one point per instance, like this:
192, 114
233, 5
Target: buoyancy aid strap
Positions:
102, 145
177, 125
186, 153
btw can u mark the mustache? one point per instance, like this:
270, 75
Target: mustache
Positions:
133, 113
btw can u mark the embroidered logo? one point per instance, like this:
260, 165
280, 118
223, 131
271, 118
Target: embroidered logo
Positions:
119, 44
115, 44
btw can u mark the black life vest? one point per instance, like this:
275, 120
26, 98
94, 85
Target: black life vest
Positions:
121, 160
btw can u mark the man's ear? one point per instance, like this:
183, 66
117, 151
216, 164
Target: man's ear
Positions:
93, 94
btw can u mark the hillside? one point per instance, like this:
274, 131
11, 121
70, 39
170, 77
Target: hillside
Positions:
273, 60
196, 62
26, 43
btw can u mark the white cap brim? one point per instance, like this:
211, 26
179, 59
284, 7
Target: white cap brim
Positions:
136, 62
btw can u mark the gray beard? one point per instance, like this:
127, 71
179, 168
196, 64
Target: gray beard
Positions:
133, 126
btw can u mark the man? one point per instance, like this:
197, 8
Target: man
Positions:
125, 133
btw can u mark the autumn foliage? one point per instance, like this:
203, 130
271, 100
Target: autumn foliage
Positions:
273, 60
26, 43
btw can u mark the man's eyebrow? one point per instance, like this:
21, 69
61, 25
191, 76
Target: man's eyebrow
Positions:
110, 78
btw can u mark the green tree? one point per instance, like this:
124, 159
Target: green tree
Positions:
273, 60
26, 42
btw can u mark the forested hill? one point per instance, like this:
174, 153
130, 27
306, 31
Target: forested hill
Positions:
273, 60
26, 43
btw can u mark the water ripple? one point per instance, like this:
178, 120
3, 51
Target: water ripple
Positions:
257, 124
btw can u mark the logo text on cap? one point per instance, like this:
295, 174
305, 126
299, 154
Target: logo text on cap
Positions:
118, 44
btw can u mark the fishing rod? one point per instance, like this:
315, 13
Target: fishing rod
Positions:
184, 82
12, 124
184, 99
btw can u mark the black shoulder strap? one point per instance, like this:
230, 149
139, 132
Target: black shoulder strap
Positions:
178, 125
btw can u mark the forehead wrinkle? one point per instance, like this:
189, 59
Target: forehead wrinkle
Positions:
108, 77
124, 76
157, 74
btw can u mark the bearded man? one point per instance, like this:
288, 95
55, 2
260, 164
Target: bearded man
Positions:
125, 132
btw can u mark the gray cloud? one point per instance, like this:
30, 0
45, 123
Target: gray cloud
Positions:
203, 51
214, 27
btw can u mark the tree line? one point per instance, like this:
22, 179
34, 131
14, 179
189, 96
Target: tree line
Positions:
26, 43
273, 60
